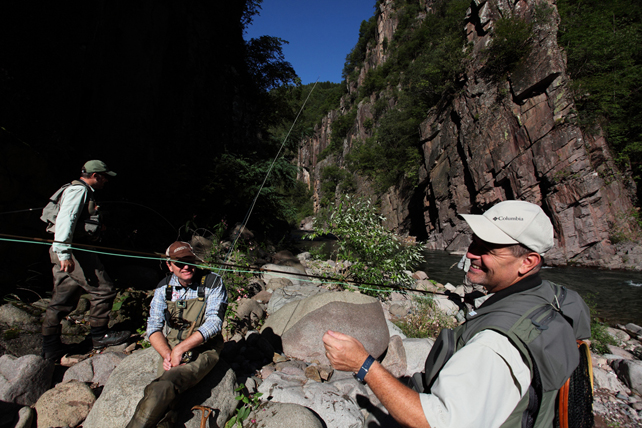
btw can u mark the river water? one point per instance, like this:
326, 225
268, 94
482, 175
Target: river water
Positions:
617, 295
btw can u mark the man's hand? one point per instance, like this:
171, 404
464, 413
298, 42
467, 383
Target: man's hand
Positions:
344, 352
67, 265
177, 356
167, 361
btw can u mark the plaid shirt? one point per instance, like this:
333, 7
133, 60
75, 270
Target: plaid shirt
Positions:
214, 312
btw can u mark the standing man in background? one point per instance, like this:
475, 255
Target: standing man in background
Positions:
72, 215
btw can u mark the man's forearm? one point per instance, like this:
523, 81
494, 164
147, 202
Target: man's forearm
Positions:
159, 342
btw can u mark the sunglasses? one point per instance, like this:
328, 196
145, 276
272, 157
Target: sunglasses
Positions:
182, 265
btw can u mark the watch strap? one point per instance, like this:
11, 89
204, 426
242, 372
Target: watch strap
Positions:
363, 371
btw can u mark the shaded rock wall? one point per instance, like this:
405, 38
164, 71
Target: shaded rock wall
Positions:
502, 138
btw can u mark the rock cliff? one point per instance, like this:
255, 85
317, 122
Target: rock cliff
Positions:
515, 137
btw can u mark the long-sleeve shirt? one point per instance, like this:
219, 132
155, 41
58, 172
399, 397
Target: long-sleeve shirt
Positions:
73, 200
216, 299
479, 386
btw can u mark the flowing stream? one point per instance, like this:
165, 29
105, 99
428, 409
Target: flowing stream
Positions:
616, 294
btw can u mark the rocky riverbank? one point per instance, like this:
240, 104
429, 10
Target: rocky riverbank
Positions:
273, 347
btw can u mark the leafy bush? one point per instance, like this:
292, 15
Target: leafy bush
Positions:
600, 338
425, 321
375, 254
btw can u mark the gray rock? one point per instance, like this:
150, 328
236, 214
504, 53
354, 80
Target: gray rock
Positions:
633, 329
284, 415
302, 324
96, 369
263, 296
395, 359
250, 309
68, 404
621, 353
25, 417
279, 271
124, 389
13, 316
417, 351
286, 295
618, 334
335, 402
606, 380
276, 283
393, 330
630, 372
399, 310
445, 305
23, 380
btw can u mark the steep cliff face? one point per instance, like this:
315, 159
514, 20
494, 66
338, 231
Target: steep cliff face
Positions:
514, 137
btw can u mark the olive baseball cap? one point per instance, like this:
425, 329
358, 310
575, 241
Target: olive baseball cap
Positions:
97, 166
514, 222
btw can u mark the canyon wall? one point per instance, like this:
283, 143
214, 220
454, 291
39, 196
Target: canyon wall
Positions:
511, 138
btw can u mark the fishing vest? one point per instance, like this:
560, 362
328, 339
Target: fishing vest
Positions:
543, 323
89, 218
183, 317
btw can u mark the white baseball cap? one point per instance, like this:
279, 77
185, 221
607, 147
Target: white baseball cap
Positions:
514, 222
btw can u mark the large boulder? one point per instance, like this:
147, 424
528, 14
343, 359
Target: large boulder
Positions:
630, 372
302, 324
96, 369
284, 415
335, 402
125, 387
23, 380
66, 405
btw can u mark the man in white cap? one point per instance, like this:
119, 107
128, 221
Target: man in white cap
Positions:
184, 327
505, 364
76, 220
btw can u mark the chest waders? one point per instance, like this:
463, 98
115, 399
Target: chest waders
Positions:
543, 323
182, 318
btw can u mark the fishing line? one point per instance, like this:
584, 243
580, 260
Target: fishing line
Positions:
220, 266
249, 213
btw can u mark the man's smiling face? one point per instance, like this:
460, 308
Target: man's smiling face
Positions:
492, 265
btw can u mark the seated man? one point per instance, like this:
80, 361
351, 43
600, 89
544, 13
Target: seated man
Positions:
184, 327
504, 365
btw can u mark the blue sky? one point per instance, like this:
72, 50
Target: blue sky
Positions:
320, 33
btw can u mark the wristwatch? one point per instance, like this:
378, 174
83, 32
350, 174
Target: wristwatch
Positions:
363, 371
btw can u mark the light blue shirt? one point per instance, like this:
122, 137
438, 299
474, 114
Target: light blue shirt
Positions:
72, 201
216, 298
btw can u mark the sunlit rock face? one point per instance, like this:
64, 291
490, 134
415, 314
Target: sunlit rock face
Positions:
513, 137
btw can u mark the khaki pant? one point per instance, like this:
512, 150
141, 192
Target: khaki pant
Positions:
156, 408
88, 275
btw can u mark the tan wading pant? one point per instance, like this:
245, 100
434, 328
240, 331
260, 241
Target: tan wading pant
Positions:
156, 408
89, 275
